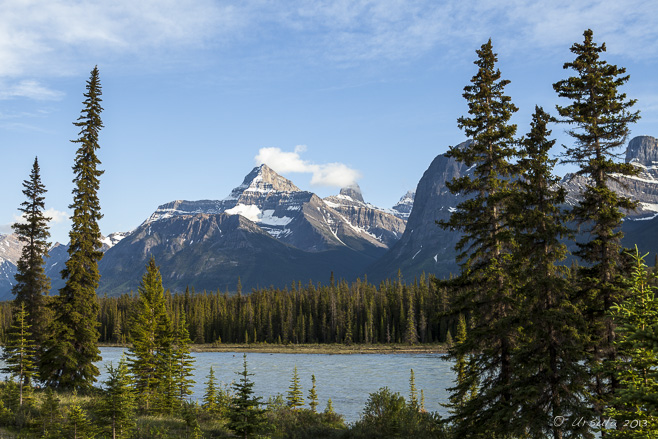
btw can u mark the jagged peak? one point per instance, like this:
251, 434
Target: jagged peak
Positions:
353, 191
643, 150
263, 179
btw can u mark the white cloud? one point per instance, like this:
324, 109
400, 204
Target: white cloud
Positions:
56, 216
5, 229
29, 89
329, 174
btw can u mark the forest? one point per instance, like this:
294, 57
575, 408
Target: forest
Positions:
538, 349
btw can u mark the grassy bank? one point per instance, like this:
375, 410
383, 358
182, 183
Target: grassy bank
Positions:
338, 349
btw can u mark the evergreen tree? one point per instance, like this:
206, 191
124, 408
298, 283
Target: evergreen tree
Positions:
313, 396
600, 115
184, 362
485, 285
295, 395
68, 361
118, 401
51, 415
549, 359
210, 396
77, 423
19, 351
31, 280
635, 407
149, 356
411, 334
413, 393
330, 407
245, 415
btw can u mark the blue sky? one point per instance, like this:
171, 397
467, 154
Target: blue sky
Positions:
196, 91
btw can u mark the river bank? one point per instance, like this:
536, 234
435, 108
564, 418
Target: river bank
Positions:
338, 349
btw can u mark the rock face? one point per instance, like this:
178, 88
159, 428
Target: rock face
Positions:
642, 152
380, 224
211, 251
424, 246
10, 252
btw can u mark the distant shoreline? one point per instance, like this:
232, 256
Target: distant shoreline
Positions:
338, 349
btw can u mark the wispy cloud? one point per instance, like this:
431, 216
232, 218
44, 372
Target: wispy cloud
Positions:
29, 89
62, 36
57, 36
328, 174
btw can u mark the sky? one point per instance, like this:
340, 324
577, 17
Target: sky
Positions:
198, 92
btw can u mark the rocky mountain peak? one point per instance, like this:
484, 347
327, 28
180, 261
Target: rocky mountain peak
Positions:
353, 191
403, 207
643, 150
264, 179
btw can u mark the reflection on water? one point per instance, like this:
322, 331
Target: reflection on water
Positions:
346, 379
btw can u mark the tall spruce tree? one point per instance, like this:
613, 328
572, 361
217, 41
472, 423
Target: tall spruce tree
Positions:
485, 285
150, 355
550, 374
31, 280
600, 116
68, 361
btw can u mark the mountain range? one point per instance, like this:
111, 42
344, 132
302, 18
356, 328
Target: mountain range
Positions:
267, 231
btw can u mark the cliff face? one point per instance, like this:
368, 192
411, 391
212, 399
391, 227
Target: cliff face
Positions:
424, 246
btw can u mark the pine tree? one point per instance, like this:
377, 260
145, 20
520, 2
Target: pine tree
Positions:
330, 407
118, 401
77, 423
549, 359
635, 406
184, 362
600, 115
19, 351
68, 361
245, 415
313, 396
149, 356
485, 286
31, 280
411, 334
295, 395
413, 393
210, 396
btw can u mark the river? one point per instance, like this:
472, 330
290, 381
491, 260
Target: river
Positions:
346, 379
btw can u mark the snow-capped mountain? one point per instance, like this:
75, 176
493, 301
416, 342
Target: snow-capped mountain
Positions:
402, 208
296, 217
266, 225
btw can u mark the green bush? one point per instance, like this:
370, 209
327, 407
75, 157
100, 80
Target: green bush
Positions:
387, 415
303, 423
